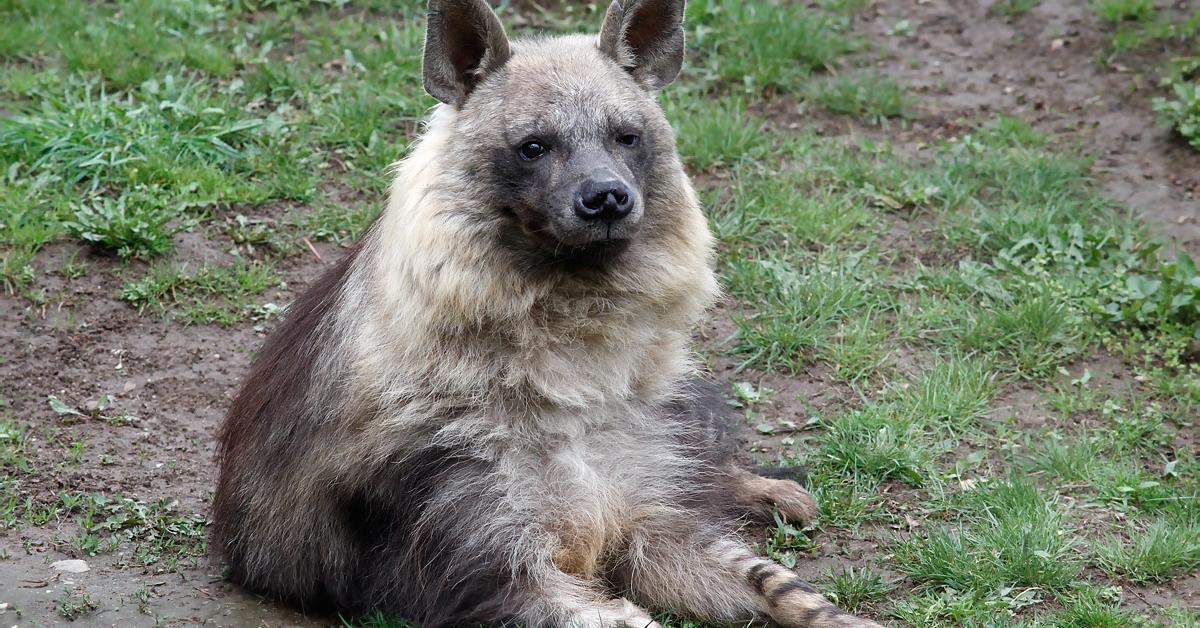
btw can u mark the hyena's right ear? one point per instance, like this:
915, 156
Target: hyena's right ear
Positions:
464, 40
646, 38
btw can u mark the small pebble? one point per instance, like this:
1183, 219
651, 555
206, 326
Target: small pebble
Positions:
71, 566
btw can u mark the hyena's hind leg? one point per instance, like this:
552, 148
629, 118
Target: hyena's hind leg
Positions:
720, 579
760, 497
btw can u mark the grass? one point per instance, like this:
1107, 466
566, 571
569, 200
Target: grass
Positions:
1153, 553
1014, 7
1089, 605
1181, 111
724, 135
953, 298
855, 589
868, 97
206, 294
73, 604
153, 535
1007, 534
773, 47
1123, 10
1025, 271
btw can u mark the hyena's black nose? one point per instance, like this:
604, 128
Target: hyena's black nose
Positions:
608, 199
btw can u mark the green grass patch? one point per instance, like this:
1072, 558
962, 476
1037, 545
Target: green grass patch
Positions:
795, 305
715, 133
1124, 10
207, 294
875, 444
1153, 552
143, 534
870, 97
855, 589
762, 46
1007, 534
1181, 110
1013, 7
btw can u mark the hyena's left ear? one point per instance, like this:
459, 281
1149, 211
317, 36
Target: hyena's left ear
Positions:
646, 38
464, 40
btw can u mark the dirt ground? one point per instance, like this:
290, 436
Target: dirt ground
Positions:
963, 64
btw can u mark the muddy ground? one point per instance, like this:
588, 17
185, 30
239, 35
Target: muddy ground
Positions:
963, 63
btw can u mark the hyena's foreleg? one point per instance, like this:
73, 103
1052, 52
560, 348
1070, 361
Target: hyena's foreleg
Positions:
761, 497
721, 579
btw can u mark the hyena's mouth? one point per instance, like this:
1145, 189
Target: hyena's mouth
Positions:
576, 249
594, 253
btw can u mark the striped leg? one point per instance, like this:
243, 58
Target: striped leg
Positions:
721, 579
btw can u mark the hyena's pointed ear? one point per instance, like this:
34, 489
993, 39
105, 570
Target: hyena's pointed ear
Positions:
464, 40
646, 38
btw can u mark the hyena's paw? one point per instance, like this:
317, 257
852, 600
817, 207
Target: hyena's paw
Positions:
795, 503
762, 496
619, 613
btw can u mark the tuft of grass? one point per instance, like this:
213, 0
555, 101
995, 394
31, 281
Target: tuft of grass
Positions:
207, 294
870, 97
785, 542
1182, 111
73, 604
155, 532
340, 222
1090, 606
1124, 10
951, 392
373, 620
763, 46
126, 42
795, 307
855, 589
1013, 7
872, 443
131, 226
1034, 335
845, 502
715, 133
1008, 535
859, 349
948, 607
1153, 553
1068, 462
778, 211
182, 135
14, 439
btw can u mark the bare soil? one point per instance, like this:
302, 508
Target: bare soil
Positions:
963, 63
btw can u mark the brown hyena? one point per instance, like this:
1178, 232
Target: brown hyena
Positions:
488, 411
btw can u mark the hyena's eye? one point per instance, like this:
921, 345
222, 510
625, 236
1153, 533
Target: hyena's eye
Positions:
628, 139
532, 150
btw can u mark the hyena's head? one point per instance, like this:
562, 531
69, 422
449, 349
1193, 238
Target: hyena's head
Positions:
561, 139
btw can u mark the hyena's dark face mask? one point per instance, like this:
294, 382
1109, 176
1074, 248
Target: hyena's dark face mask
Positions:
575, 172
